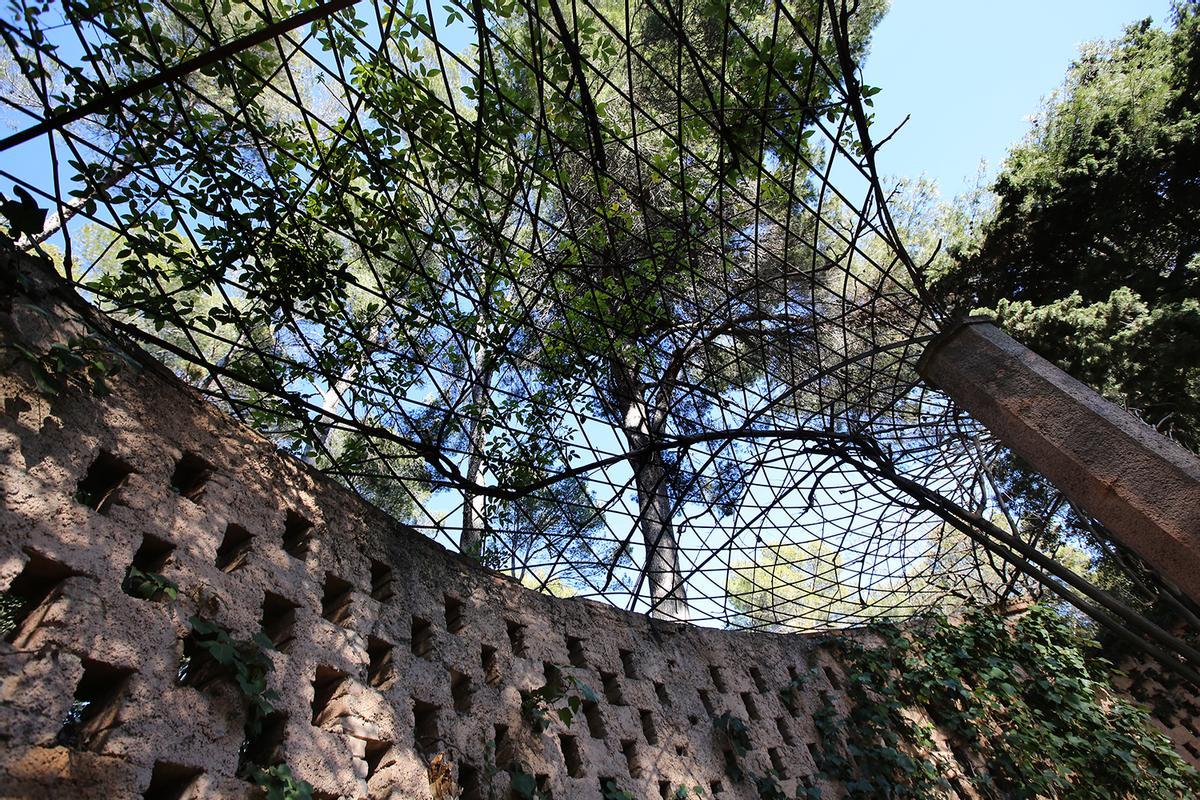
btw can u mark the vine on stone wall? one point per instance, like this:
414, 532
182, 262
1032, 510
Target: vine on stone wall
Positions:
1024, 708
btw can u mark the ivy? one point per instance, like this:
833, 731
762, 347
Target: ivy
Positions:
736, 737
1025, 710
245, 660
24, 216
790, 694
612, 792
524, 786
538, 705
148, 585
84, 361
280, 784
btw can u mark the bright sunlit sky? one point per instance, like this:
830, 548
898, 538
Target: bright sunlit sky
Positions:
970, 72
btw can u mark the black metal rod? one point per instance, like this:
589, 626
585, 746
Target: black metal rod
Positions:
106, 101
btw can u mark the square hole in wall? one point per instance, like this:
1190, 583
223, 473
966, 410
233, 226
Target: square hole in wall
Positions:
421, 638
632, 763
831, 674
715, 788
627, 663
375, 756
571, 757
553, 676
382, 578
718, 681
612, 688
785, 732
649, 731
595, 722
660, 691
95, 705
759, 683
575, 652
100, 486
777, 762
706, 702
380, 671
541, 787
455, 614
171, 782
297, 535
468, 781
751, 706
234, 549
328, 685
278, 620
425, 728
191, 476
731, 763
337, 600
503, 745
609, 786
143, 578
264, 745
516, 637
664, 790
491, 670
30, 596
814, 753
461, 691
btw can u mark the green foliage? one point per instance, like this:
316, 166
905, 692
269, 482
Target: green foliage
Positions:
736, 743
1091, 252
1034, 715
84, 361
245, 660
10, 609
612, 792
735, 732
1138, 351
790, 693
25, 217
148, 585
524, 786
280, 784
539, 705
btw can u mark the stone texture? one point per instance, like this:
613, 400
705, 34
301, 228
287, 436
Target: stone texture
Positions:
1142, 486
363, 741
349, 724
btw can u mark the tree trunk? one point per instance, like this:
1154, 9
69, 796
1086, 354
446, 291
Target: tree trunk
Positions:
471, 540
661, 569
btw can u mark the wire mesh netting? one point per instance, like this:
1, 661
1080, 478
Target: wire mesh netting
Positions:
607, 294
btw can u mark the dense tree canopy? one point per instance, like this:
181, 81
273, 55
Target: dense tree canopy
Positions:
1090, 252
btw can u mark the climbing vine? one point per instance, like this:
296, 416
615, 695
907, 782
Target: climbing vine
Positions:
148, 585
247, 662
278, 783
83, 361
562, 696
1023, 704
735, 739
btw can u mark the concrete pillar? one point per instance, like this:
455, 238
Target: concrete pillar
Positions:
1141, 485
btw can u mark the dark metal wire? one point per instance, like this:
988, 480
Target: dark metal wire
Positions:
610, 294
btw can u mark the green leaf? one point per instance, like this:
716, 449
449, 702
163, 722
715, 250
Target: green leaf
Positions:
25, 217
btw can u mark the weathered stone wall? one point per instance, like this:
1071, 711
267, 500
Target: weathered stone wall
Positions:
389, 649
1172, 702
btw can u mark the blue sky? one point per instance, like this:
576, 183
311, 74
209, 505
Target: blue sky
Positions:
970, 71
